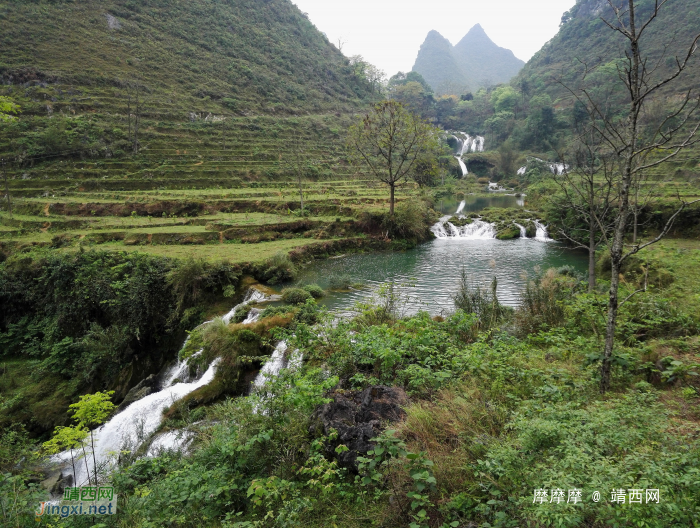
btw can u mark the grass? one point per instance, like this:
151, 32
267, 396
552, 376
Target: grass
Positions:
233, 253
681, 257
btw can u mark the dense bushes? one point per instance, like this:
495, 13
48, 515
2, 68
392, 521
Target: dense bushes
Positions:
295, 295
99, 320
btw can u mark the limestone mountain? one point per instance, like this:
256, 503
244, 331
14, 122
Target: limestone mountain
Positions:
476, 61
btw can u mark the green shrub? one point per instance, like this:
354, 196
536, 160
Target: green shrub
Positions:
278, 268
480, 301
340, 282
295, 295
315, 290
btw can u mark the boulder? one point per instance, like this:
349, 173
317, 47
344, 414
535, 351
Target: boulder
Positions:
358, 417
55, 482
144, 388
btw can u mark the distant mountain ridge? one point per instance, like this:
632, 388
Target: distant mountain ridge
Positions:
474, 62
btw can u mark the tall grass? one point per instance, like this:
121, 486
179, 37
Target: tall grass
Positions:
479, 300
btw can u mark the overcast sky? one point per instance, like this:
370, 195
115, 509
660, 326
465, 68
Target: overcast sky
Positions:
389, 33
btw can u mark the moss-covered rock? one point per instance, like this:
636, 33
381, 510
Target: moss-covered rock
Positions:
507, 232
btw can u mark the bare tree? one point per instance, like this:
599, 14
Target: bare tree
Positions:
635, 149
588, 192
133, 90
390, 140
7, 188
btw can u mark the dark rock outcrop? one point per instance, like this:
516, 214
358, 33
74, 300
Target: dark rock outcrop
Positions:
142, 389
358, 417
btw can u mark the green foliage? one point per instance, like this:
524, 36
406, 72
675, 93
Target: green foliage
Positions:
65, 438
480, 301
542, 303
621, 443
315, 290
411, 221
296, 295
191, 278
7, 108
92, 409
278, 268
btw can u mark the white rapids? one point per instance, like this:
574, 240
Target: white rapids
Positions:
462, 165
542, 234
523, 231
479, 229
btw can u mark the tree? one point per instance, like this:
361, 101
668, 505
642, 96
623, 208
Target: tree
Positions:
92, 410
7, 108
67, 438
368, 72
587, 195
635, 149
295, 165
7, 187
390, 140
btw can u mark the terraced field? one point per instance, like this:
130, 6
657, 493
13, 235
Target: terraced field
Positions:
234, 195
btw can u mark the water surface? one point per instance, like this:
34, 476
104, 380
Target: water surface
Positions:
434, 269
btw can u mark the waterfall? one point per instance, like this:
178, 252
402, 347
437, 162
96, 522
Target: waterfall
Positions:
541, 233
523, 231
133, 425
478, 229
138, 421
469, 143
556, 168
461, 207
462, 165
273, 366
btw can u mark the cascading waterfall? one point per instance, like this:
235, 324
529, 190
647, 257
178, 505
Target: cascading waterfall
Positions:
138, 421
133, 425
462, 165
479, 229
555, 168
541, 233
468, 143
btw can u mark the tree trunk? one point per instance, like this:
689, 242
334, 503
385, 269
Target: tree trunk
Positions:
87, 466
591, 259
94, 459
391, 200
591, 239
301, 195
72, 462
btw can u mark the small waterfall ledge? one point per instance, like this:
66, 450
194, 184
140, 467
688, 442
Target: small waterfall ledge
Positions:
479, 229
137, 422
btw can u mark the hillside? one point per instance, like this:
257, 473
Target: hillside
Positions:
187, 71
195, 56
584, 41
475, 62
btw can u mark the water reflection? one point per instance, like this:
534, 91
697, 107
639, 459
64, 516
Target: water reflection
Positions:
435, 268
474, 204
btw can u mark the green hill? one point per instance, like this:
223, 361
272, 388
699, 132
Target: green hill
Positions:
585, 41
78, 69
